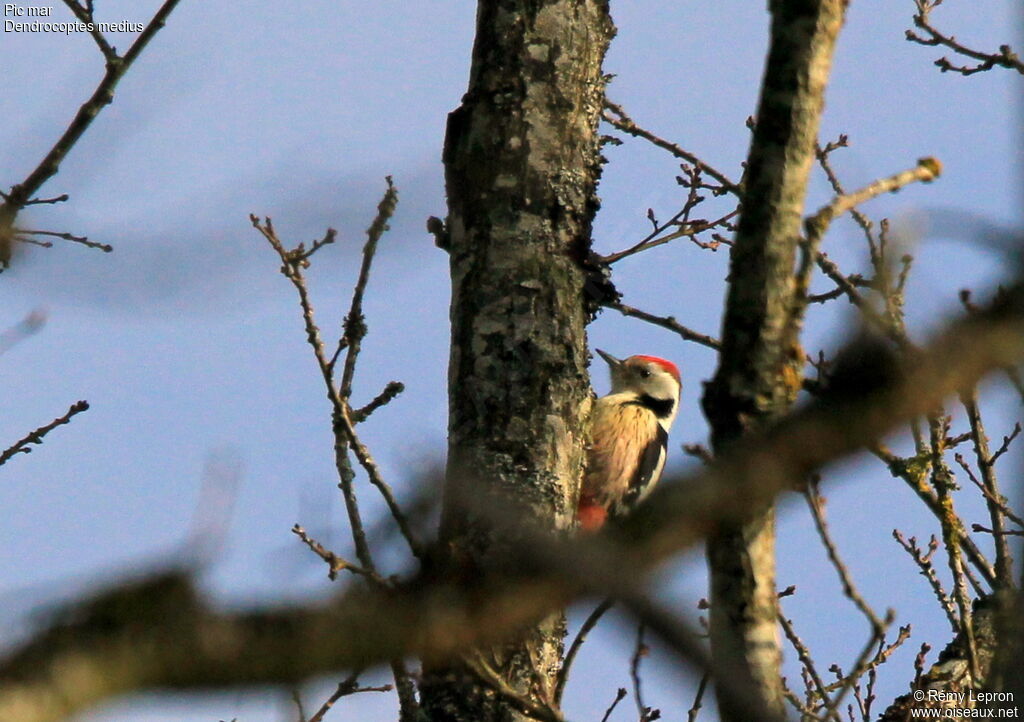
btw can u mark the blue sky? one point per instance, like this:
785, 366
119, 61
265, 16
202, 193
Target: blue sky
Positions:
189, 345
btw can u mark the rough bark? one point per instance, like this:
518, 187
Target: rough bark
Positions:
761, 360
522, 163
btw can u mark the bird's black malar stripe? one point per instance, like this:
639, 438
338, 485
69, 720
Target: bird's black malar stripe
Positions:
662, 408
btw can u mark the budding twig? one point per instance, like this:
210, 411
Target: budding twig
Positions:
36, 437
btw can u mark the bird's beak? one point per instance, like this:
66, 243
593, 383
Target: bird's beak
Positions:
611, 360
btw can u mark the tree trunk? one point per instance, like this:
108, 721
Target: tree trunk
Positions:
522, 163
760, 365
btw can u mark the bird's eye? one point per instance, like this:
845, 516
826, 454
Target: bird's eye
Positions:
644, 373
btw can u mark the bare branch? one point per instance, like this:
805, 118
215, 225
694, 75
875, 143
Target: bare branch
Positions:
62, 198
990, 485
36, 437
668, 322
863, 663
816, 504
924, 563
691, 715
355, 324
805, 657
619, 696
926, 170
20, 194
24, 235
913, 472
347, 687
293, 262
1005, 57
616, 116
577, 643
999, 502
392, 390
334, 562
995, 532
952, 528
881, 657
85, 15
343, 421
684, 229
1007, 440
823, 156
646, 714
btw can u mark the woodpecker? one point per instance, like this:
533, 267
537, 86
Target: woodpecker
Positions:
629, 437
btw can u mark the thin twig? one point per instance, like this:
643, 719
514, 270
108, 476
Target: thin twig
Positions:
1007, 440
849, 289
827, 296
393, 389
355, 325
912, 471
84, 14
646, 714
293, 262
1005, 57
822, 154
952, 527
334, 562
36, 437
924, 563
686, 230
990, 484
804, 655
619, 696
919, 662
616, 116
668, 322
581, 636
19, 195
862, 664
994, 532
348, 686
999, 502
344, 421
62, 198
880, 658
798, 704
23, 235
816, 504
926, 170
691, 715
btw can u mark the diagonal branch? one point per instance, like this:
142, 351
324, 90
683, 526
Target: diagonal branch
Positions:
21, 194
616, 116
668, 322
36, 437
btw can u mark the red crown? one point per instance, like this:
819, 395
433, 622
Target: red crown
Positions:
668, 366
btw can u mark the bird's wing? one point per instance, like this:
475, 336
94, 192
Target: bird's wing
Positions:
619, 472
648, 471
